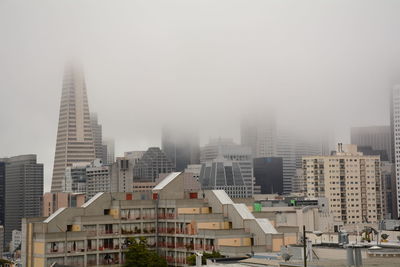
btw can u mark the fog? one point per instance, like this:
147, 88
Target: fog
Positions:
320, 65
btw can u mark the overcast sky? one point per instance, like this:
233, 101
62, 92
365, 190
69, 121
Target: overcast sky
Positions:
319, 64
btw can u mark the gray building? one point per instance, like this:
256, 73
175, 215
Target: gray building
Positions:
98, 178
221, 157
97, 136
122, 175
181, 146
75, 178
108, 151
266, 139
2, 189
152, 163
376, 137
268, 174
395, 135
24, 189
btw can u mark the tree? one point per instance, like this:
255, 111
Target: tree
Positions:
139, 255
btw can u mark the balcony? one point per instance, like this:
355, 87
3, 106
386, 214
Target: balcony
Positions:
166, 216
109, 232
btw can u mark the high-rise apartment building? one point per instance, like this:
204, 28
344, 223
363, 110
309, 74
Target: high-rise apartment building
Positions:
228, 166
24, 189
350, 181
98, 178
108, 151
376, 137
97, 136
122, 175
153, 162
74, 136
181, 147
175, 223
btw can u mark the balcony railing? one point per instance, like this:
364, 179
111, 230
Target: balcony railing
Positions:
109, 232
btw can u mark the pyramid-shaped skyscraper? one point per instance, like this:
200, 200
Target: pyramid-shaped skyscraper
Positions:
74, 136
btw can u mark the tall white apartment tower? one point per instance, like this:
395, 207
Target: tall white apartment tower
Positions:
74, 136
395, 125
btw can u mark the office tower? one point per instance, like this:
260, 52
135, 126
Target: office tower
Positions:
260, 134
98, 178
53, 201
388, 184
74, 136
181, 146
108, 151
24, 189
268, 174
1, 240
223, 154
2, 189
75, 178
153, 162
395, 126
97, 136
350, 181
376, 137
266, 139
122, 175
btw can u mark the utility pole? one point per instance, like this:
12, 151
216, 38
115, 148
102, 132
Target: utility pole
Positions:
304, 246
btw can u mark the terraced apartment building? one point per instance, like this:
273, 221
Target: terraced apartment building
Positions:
175, 223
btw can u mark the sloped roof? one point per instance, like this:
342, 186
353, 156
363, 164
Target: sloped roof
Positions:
243, 211
166, 181
222, 197
266, 226
93, 199
55, 214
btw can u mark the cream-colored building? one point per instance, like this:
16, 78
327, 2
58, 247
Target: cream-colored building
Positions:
176, 223
74, 135
349, 180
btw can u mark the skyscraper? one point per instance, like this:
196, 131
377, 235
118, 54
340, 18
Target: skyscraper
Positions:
153, 162
268, 174
74, 136
376, 137
24, 189
266, 139
222, 158
395, 126
108, 151
2, 189
259, 133
97, 136
181, 147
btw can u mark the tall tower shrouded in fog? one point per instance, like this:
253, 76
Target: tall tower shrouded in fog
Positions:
74, 136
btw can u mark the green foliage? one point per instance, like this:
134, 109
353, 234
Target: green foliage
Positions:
139, 255
191, 260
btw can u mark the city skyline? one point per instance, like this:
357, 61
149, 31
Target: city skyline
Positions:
296, 68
